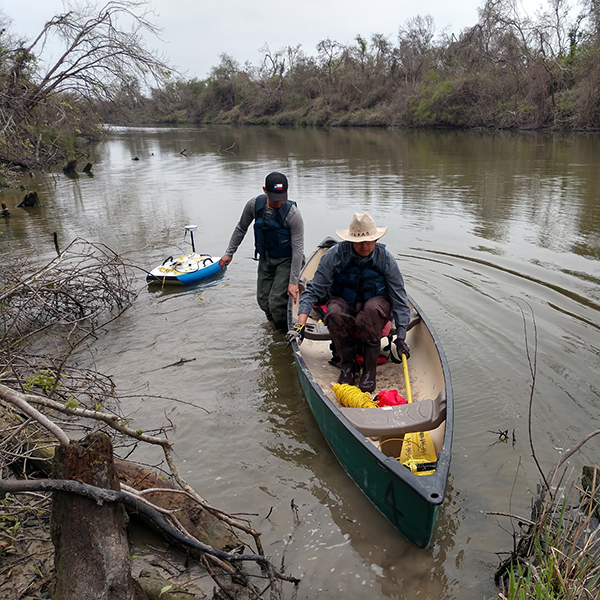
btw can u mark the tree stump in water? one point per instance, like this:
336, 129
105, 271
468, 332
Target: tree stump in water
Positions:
30, 200
70, 167
91, 549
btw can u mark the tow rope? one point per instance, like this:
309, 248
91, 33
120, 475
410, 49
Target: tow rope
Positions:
351, 396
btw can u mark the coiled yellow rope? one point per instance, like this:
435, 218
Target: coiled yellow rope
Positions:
351, 396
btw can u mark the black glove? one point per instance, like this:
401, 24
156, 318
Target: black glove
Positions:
402, 348
296, 334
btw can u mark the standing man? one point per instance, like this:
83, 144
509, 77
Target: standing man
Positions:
364, 289
279, 243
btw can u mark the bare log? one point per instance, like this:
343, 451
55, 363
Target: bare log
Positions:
19, 400
105, 495
195, 519
212, 526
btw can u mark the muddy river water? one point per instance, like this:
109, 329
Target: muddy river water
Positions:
495, 233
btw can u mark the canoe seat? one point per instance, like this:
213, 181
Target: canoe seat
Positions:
423, 415
319, 331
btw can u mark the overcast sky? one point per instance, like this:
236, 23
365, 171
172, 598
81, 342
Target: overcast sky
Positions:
197, 32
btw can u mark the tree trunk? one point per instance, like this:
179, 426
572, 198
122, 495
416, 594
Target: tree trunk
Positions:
91, 550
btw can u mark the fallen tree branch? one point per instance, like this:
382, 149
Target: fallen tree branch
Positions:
125, 489
65, 298
223, 516
180, 362
572, 451
20, 401
102, 495
510, 516
111, 420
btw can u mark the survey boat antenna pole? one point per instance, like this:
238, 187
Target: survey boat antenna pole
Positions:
191, 229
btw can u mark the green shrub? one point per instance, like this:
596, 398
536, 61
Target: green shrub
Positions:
435, 104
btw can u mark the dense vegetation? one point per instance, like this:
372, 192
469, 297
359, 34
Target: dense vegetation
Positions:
506, 71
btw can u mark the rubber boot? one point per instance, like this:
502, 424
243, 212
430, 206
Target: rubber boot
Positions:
368, 378
347, 355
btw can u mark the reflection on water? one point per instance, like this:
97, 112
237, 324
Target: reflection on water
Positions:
491, 230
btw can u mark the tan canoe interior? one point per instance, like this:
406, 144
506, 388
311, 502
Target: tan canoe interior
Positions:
425, 371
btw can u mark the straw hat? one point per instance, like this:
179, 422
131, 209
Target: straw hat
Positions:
362, 229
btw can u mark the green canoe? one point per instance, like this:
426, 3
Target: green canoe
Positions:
368, 441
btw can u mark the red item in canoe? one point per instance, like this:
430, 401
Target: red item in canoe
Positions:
390, 398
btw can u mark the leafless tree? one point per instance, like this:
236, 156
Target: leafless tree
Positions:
330, 53
90, 52
273, 63
104, 49
416, 48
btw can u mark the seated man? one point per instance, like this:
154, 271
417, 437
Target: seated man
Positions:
364, 288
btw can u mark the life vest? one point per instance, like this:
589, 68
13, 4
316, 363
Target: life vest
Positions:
360, 278
270, 234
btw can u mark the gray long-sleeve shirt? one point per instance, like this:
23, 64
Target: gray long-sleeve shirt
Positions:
331, 263
293, 222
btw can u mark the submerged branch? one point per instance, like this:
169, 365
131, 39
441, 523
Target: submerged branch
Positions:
572, 451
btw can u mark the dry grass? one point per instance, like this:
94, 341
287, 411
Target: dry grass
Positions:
558, 554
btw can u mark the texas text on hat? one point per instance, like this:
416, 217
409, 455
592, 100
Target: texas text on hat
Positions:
362, 229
